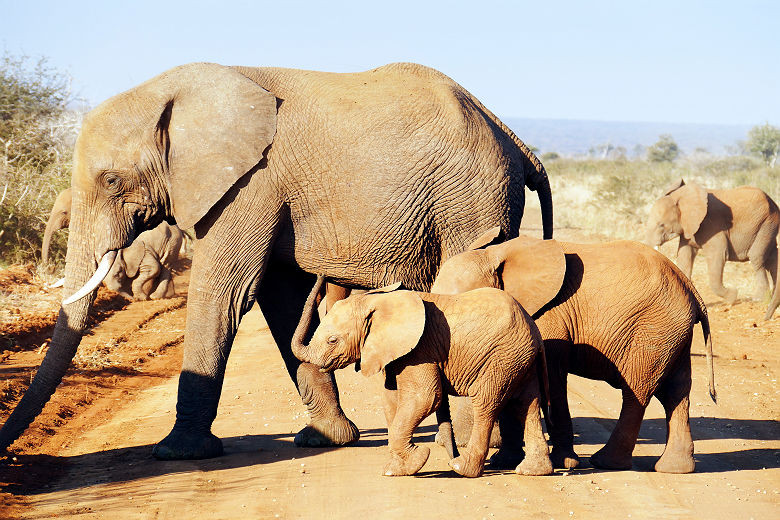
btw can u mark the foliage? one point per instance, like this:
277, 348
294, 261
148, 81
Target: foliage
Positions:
37, 132
611, 198
550, 156
764, 140
664, 150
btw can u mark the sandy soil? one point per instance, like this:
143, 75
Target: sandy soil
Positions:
89, 456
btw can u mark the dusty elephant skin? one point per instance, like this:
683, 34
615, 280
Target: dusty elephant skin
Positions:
280, 172
480, 344
618, 312
736, 225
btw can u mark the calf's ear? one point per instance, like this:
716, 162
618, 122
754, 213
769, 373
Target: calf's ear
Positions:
490, 237
531, 270
394, 323
692, 203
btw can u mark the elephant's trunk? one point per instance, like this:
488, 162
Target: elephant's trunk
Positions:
54, 224
299, 348
67, 334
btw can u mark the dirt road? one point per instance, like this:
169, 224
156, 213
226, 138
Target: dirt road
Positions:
99, 465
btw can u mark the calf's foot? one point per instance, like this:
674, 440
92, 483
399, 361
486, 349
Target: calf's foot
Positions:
408, 464
676, 462
467, 465
564, 458
608, 459
322, 433
188, 445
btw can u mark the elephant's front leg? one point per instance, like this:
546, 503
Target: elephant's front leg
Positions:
226, 268
616, 454
471, 460
716, 251
281, 297
418, 395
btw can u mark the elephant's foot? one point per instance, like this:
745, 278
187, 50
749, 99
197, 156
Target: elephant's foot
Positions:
564, 458
187, 445
445, 437
730, 295
677, 461
409, 464
535, 465
324, 433
603, 459
467, 465
506, 458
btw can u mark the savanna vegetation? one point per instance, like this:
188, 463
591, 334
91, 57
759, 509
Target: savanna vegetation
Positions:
37, 133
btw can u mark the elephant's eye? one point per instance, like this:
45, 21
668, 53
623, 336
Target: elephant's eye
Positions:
333, 340
112, 181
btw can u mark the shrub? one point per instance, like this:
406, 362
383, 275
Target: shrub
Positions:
37, 132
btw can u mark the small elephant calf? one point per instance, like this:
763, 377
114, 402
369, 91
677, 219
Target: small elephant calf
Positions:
480, 344
617, 312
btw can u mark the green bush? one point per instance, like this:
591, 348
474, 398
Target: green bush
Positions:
37, 132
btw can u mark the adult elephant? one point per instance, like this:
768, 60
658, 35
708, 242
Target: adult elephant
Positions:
59, 218
368, 178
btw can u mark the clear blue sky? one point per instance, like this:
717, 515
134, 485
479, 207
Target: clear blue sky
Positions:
669, 61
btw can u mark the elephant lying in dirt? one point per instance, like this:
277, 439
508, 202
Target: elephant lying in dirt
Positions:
141, 271
617, 312
481, 344
734, 225
369, 178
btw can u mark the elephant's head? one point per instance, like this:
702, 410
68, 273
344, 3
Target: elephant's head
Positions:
374, 328
530, 270
679, 212
58, 218
167, 149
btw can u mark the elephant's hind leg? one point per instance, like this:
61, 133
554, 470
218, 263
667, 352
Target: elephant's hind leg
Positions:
616, 454
673, 394
471, 460
282, 294
537, 455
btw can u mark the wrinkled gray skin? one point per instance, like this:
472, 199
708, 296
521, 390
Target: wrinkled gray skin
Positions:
617, 312
481, 344
369, 178
736, 225
141, 271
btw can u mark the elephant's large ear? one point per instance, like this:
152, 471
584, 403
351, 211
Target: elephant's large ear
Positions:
214, 127
531, 270
692, 202
490, 237
674, 186
396, 321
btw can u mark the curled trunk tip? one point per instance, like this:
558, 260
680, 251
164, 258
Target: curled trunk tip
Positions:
309, 308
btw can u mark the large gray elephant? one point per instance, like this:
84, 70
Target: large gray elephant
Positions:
369, 178
734, 225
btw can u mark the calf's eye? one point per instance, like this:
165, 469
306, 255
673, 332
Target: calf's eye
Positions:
333, 340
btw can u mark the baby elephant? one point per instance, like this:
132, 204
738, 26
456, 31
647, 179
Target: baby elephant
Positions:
617, 312
480, 344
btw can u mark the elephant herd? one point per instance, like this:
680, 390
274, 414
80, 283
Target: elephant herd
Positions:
399, 182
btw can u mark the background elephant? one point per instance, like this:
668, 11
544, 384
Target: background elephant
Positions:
480, 344
369, 178
59, 218
617, 312
734, 225
142, 270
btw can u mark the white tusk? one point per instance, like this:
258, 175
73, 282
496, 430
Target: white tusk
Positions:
655, 247
102, 270
58, 283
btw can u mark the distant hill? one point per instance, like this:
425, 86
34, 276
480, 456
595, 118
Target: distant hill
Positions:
577, 137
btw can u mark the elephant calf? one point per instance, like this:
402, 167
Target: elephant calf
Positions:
481, 344
735, 225
617, 312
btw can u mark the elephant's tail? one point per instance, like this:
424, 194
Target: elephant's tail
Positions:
705, 330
